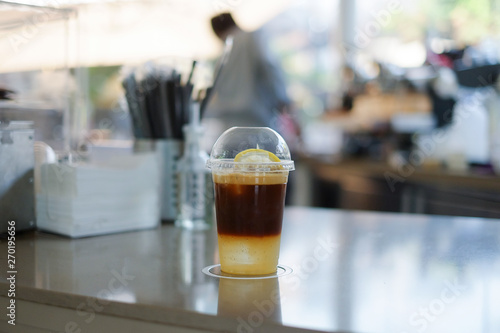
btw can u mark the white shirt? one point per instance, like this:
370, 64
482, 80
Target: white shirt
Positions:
250, 87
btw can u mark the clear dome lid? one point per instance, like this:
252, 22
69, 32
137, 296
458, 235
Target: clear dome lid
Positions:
252, 149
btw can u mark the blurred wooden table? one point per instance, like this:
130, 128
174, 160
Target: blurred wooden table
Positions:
364, 184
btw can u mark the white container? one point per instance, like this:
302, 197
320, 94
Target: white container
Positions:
81, 200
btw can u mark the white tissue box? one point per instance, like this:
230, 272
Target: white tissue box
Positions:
121, 194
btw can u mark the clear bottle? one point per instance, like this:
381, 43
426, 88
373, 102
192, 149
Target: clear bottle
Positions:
195, 201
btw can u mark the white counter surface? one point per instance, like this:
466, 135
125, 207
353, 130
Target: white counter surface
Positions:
352, 271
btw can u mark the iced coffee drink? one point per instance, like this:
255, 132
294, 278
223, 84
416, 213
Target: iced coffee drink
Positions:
250, 186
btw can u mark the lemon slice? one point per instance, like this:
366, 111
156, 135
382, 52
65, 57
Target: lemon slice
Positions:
256, 156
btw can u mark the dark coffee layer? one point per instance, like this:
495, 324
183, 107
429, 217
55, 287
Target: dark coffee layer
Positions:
249, 210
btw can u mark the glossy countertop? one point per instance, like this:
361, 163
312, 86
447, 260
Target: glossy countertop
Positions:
352, 271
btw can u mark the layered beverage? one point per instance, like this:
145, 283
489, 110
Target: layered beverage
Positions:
249, 213
250, 167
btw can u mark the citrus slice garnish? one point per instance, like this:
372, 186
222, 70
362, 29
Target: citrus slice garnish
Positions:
256, 156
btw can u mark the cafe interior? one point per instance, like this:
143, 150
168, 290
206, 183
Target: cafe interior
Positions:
122, 123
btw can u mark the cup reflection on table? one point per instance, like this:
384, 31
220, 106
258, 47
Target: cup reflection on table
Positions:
250, 301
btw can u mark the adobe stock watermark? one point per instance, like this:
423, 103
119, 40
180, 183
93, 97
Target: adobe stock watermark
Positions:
427, 147
426, 315
371, 29
264, 309
93, 305
97, 136
310, 264
34, 23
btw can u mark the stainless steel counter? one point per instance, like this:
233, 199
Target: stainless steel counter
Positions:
352, 271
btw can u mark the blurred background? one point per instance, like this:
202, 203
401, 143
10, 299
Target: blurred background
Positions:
396, 102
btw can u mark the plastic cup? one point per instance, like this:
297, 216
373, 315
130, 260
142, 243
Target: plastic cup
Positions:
249, 198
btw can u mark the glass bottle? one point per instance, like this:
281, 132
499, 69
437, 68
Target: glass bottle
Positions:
195, 210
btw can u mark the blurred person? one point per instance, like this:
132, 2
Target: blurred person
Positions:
250, 90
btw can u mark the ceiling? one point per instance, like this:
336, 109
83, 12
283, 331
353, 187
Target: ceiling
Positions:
91, 33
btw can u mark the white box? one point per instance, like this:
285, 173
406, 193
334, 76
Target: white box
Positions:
81, 200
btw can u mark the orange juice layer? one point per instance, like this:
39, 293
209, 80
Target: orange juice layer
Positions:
249, 255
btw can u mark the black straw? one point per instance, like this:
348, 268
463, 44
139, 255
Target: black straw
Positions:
159, 104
